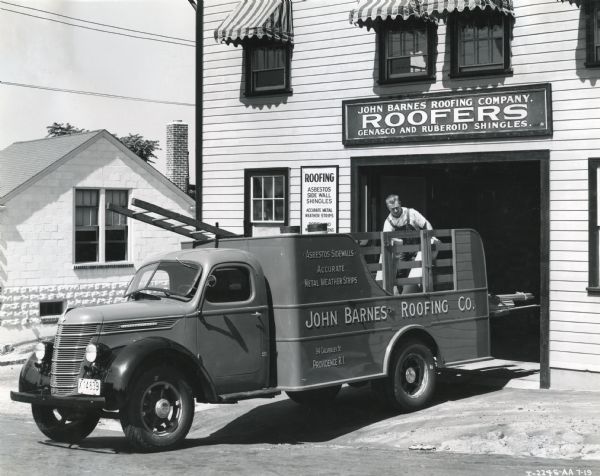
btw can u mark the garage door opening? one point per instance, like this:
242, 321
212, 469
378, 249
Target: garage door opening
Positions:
499, 199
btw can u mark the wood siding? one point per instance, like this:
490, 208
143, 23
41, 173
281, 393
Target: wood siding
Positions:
334, 60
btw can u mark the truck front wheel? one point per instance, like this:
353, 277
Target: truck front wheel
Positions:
411, 380
159, 411
64, 425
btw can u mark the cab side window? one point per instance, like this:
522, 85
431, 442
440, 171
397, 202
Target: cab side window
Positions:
232, 284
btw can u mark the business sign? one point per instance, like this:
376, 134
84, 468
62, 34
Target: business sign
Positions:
489, 113
319, 197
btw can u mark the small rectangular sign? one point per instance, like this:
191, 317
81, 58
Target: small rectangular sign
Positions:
319, 197
489, 113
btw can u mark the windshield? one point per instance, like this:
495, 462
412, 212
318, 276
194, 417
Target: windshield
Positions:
166, 278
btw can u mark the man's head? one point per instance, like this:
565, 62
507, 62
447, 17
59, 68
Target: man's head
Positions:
394, 205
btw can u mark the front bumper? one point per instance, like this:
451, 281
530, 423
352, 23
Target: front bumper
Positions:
46, 399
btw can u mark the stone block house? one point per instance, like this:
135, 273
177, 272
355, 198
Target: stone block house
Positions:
59, 245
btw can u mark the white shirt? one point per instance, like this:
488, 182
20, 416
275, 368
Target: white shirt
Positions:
409, 216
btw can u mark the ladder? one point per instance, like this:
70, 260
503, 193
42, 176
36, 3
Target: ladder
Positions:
172, 221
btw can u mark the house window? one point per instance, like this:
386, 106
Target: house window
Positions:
267, 68
266, 193
480, 43
592, 33
406, 51
116, 227
86, 225
51, 308
594, 227
100, 234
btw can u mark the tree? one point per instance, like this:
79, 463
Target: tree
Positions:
143, 148
60, 129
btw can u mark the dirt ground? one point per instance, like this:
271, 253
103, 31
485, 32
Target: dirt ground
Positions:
464, 418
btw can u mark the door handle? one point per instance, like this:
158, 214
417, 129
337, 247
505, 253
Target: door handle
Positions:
256, 314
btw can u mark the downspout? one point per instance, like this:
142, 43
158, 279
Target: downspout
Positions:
199, 103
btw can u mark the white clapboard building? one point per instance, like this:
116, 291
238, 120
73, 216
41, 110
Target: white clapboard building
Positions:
478, 113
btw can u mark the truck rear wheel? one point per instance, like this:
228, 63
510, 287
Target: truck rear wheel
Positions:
64, 425
318, 396
160, 410
411, 380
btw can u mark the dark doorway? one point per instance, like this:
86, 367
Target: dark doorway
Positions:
501, 200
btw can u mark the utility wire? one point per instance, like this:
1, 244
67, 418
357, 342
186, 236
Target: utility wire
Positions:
91, 93
97, 29
94, 23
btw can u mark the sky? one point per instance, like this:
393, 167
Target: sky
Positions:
50, 54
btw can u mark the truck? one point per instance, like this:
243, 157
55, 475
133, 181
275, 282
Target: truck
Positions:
250, 317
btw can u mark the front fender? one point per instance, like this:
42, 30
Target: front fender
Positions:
32, 378
136, 357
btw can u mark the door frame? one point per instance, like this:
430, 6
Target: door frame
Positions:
357, 164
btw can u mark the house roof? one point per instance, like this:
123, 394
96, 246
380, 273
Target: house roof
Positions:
23, 163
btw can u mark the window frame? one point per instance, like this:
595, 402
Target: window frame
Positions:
456, 20
593, 228
592, 33
101, 227
249, 47
249, 174
403, 25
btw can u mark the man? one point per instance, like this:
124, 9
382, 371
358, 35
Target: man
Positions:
401, 218
406, 219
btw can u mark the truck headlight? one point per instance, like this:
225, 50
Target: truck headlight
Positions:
39, 351
91, 352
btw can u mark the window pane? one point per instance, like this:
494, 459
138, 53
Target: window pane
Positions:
257, 210
231, 285
270, 79
268, 184
268, 204
279, 216
279, 182
399, 66
256, 187
116, 252
86, 246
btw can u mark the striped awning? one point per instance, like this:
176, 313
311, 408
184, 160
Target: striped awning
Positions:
258, 19
368, 11
441, 8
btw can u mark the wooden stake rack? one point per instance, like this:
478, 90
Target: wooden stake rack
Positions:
169, 220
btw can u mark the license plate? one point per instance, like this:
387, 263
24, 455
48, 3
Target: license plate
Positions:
88, 386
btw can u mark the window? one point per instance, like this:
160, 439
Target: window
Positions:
100, 234
406, 51
231, 284
116, 227
86, 225
480, 43
594, 227
51, 308
266, 197
267, 68
592, 15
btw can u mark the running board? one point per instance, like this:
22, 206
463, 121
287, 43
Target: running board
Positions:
235, 397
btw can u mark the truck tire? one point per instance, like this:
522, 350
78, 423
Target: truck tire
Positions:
318, 396
63, 425
411, 380
159, 410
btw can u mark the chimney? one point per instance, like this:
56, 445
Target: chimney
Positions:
177, 154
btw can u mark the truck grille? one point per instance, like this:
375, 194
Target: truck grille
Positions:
69, 351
